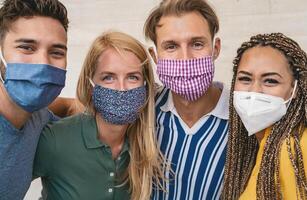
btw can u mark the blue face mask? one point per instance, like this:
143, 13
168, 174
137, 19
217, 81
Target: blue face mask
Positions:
118, 107
33, 86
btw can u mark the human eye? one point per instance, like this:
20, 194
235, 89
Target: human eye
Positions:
133, 77
197, 45
170, 46
271, 81
26, 48
107, 78
58, 54
244, 79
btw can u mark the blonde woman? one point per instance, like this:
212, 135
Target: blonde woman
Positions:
109, 151
267, 146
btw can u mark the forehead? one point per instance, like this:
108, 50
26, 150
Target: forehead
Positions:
42, 29
187, 25
264, 59
111, 59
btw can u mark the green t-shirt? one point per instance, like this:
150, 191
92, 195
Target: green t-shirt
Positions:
75, 165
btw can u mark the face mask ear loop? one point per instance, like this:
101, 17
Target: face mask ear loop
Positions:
1, 78
213, 45
288, 102
92, 83
4, 62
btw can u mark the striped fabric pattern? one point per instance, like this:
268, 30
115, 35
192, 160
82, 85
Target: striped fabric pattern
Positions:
188, 78
197, 159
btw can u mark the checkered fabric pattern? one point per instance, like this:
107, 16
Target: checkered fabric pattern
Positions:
189, 78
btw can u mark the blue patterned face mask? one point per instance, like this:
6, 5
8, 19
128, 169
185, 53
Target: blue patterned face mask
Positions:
118, 107
33, 86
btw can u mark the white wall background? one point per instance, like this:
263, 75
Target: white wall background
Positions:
239, 19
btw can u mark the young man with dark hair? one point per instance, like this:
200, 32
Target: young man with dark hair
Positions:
33, 44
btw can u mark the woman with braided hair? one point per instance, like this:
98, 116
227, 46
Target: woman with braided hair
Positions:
267, 147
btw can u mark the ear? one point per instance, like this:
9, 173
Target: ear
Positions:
152, 54
217, 48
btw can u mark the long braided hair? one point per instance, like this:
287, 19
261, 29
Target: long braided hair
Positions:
242, 150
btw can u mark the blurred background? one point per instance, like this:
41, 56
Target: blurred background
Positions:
239, 19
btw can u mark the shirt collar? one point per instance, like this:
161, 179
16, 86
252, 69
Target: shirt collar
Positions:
221, 109
89, 132
169, 104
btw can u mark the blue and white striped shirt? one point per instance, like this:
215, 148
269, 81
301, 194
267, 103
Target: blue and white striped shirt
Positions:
197, 154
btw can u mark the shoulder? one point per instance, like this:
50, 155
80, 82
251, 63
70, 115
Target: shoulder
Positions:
161, 94
304, 141
65, 125
221, 109
42, 115
303, 145
59, 134
38, 120
7, 127
34, 124
225, 95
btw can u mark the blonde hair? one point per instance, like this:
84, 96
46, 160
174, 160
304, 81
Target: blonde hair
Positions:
146, 160
242, 150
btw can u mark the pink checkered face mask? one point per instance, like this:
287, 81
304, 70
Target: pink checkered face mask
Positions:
189, 78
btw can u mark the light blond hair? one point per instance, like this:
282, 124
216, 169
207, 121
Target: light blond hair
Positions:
146, 161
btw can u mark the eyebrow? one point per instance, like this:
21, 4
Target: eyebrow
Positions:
199, 38
244, 72
263, 75
106, 72
112, 73
191, 39
168, 42
31, 41
60, 46
271, 74
136, 72
23, 40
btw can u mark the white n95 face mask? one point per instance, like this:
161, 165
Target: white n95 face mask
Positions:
259, 111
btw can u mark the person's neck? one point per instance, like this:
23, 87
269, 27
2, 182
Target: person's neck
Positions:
260, 135
11, 111
191, 111
112, 135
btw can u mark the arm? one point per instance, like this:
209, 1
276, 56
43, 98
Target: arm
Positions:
64, 107
44, 156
